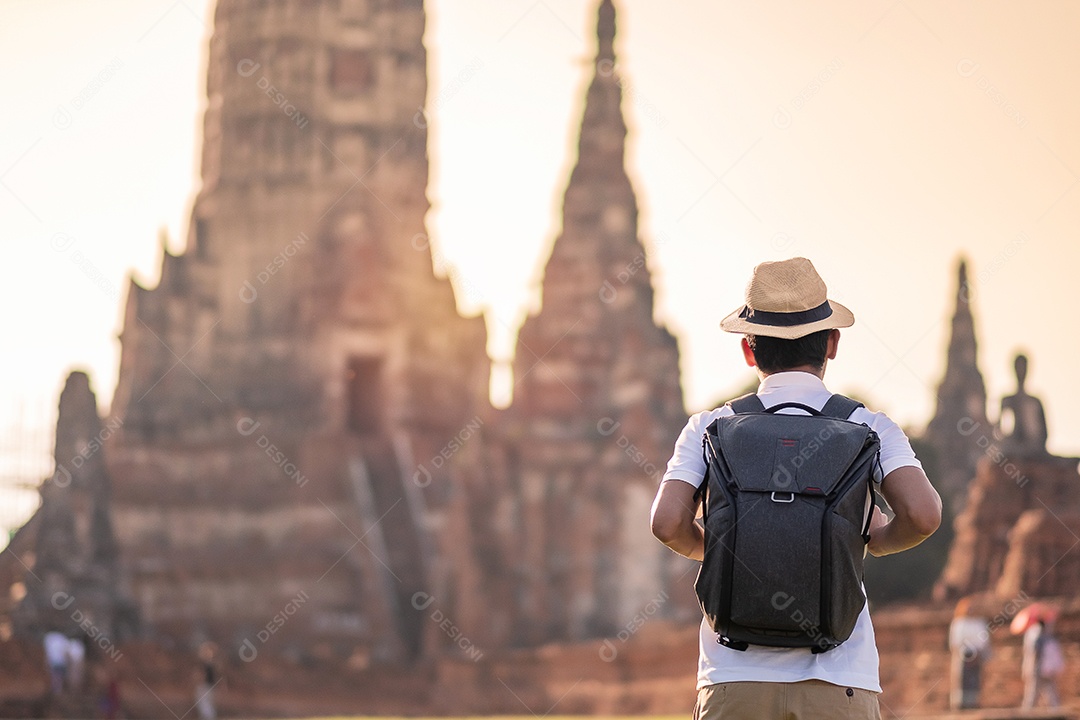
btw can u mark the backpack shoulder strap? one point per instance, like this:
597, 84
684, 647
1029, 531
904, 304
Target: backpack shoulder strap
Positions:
749, 403
841, 407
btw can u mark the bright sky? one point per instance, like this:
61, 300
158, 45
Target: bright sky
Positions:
881, 139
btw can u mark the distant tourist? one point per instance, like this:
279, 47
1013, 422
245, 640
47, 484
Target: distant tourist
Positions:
969, 643
56, 657
790, 332
206, 681
76, 655
109, 701
1042, 664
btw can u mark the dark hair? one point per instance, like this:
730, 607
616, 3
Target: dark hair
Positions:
776, 354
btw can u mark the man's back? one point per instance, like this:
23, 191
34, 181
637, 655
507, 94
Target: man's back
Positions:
790, 331
855, 662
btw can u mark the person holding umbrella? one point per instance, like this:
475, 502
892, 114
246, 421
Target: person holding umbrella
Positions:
1043, 659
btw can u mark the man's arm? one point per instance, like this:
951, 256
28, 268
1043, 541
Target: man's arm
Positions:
673, 513
917, 507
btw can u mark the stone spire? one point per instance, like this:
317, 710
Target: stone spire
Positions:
597, 402
603, 130
960, 419
76, 564
598, 263
605, 31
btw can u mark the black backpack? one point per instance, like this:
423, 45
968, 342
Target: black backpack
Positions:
785, 518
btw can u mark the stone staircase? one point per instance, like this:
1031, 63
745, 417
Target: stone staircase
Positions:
391, 527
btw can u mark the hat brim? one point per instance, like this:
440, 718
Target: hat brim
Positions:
841, 317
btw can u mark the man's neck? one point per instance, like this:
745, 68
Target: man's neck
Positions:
819, 373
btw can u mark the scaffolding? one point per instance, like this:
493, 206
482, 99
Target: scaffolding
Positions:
25, 461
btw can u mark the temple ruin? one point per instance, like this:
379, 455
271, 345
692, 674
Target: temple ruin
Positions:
1018, 532
301, 429
302, 409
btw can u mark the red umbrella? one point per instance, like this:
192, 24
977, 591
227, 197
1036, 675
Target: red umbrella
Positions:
1033, 613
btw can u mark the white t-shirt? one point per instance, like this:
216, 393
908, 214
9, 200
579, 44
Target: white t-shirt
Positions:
56, 645
969, 634
855, 662
76, 650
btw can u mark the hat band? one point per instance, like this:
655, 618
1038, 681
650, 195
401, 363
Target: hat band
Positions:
786, 319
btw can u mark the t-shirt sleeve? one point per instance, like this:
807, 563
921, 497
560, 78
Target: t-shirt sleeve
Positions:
896, 449
687, 463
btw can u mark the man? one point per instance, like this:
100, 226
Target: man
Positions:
969, 645
790, 330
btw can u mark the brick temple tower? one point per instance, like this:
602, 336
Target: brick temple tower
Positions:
597, 399
300, 361
961, 404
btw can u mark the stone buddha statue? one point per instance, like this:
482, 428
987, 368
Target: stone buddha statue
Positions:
1027, 427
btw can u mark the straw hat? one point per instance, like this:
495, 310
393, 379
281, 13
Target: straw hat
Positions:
787, 299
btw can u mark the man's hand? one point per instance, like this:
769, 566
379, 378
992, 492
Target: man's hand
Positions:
917, 507
877, 521
673, 513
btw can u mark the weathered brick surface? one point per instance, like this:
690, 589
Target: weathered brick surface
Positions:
1018, 531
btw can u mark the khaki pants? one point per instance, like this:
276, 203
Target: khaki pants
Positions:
807, 700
